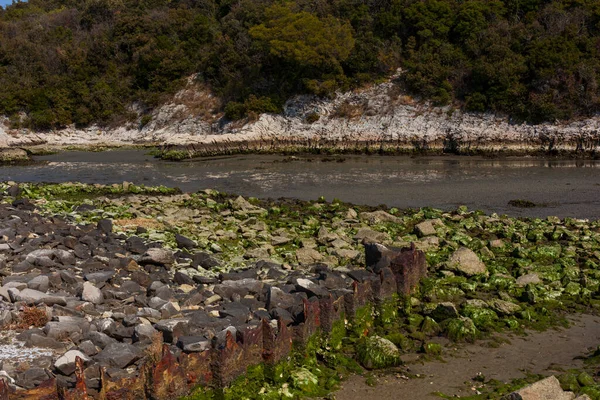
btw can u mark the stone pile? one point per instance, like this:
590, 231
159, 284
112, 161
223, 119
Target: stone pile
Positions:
120, 316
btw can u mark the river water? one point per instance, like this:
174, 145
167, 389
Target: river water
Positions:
565, 188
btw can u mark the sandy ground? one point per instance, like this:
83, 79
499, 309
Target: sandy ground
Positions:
545, 353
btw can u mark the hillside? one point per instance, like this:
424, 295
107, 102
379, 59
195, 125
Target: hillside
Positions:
107, 62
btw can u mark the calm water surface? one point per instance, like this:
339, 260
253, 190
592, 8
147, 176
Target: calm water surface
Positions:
566, 187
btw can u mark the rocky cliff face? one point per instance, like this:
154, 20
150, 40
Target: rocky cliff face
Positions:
376, 114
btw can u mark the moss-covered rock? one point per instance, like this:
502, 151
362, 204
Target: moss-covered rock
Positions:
375, 352
432, 349
461, 329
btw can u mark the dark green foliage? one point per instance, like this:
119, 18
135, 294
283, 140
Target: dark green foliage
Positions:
81, 62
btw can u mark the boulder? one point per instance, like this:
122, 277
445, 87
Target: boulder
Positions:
65, 364
377, 352
32, 297
546, 389
465, 261
119, 355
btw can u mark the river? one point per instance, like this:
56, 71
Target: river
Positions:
564, 188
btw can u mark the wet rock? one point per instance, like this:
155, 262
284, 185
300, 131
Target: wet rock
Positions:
65, 364
92, 294
119, 355
465, 261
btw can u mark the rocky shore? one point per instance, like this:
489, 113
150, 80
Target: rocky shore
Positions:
373, 119
127, 291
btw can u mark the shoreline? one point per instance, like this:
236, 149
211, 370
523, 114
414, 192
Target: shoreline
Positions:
381, 120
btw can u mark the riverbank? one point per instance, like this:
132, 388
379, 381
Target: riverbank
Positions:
110, 266
377, 119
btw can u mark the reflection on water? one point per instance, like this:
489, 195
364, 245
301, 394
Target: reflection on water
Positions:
569, 187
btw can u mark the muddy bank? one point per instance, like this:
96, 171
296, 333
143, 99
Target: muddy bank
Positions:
465, 366
374, 119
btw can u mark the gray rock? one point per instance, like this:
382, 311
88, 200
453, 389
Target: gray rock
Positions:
143, 332
5, 318
32, 377
88, 348
173, 328
193, 344
379, 216
119, 355
100, 339
33, 297
62, 330
504, 307
306, 256
91, 293
242, 287
311, 288
36, 340
65, 364
40, 283
425, 228
546, 389
157, 256
99, 277
464, 260
532, 278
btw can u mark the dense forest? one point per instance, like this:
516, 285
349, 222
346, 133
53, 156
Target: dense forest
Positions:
86, 61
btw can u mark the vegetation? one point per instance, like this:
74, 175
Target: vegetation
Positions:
80, 62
